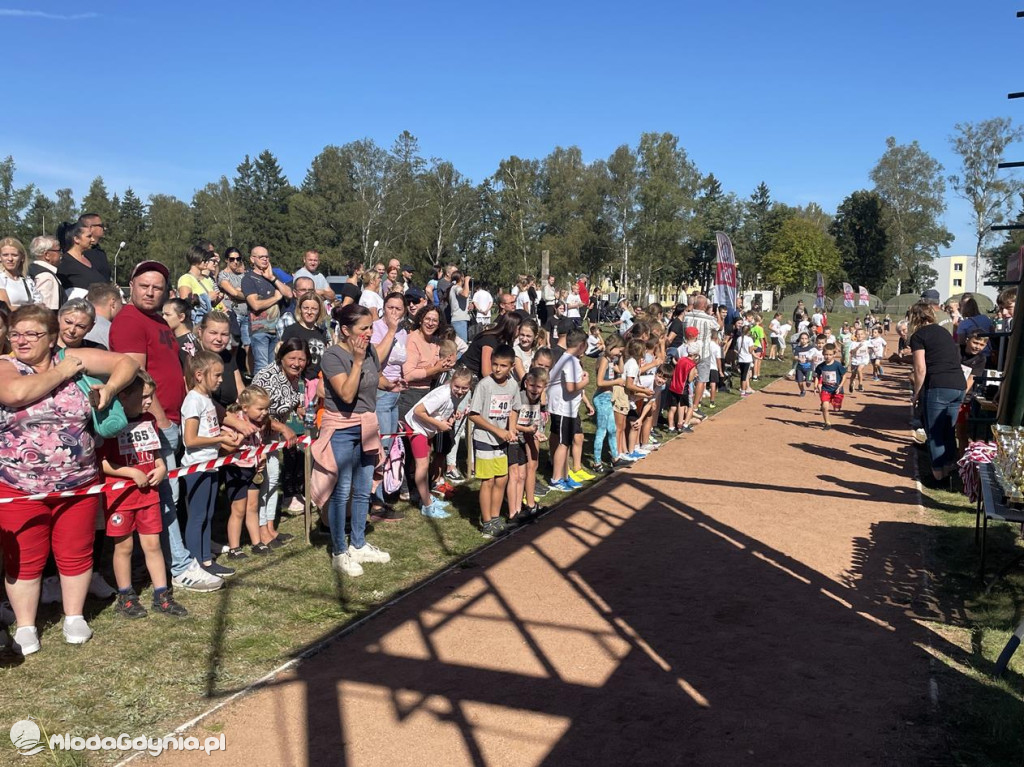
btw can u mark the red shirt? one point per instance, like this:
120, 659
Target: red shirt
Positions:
137, 446
681, 376
584, 293
135, 332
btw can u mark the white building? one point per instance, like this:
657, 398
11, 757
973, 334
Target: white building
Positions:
961, 274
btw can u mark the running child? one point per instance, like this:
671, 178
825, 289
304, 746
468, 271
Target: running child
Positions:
802, 355
201, 437
775, 335
877, 344
244, 477
860, 358
135, 454
435, 414
493, 411
829, 378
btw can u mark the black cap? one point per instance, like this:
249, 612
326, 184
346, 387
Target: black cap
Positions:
415, 295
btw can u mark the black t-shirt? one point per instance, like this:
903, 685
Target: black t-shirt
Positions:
558, 327
676, 326
315, 339
227, 393
98, 258
348, 290
474, 354
941, 358
74, 274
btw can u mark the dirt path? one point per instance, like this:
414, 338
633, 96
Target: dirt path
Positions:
746, 595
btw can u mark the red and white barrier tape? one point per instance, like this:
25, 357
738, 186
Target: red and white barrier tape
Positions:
241, 455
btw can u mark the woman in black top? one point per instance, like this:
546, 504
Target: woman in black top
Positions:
939, 386
310, 315
478, 356
75, 270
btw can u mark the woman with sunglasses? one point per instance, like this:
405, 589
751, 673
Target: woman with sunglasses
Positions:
230, 283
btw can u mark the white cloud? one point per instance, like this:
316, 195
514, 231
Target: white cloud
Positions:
44, 15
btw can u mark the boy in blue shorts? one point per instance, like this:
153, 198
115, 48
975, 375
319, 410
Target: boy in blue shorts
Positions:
829, 378
493, 411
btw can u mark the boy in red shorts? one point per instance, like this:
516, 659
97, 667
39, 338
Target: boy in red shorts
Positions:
829, 378
134, 454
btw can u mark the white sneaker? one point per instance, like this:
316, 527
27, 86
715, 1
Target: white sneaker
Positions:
26, 640
298, 505
51, 590
195, 578
369, 553
343, 563
76, 631
99, 588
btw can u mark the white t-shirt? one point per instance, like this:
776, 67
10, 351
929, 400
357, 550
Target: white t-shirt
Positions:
860, 353
483, 301
567, 370
523, 301
626, 318
200, 406
775, 328
572, 305
646, 379
593, 345
878, 345
744, 349
438, 404
817, 319
374, 302
716, 352
816, 356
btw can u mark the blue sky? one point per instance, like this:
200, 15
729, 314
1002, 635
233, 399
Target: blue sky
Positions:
165, 97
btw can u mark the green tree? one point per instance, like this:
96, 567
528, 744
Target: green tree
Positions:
757, 233
800, 250
216, 213
132, 231
517, 218
39, 219
668, 183
621, 207
859, 232
97, 200
910, 183
170, 233
989, 191
372, 181
451, 211
995, 270
322, 213
262, 193
14, 200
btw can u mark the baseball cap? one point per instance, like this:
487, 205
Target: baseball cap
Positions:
931, 296
408, 268
691, 332
151, 266
414, 295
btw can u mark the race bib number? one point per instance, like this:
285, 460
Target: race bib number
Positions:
529, 415
140, 438
829, 377
500, 407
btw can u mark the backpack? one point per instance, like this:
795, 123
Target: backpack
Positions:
394, 466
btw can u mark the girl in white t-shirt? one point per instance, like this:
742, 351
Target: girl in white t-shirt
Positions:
201, 436
638, 395
860, 358
433, 414
525, 347
775, 336
745, 359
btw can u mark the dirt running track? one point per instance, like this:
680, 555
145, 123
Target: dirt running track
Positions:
749, 594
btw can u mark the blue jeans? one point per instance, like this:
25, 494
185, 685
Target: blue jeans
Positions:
262, 345
461, 329
605, 427
355, 477
268, 490
387, 414
940, 408
175, 553
201, 495
243, 327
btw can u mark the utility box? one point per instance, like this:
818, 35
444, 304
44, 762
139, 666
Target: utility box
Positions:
759, 300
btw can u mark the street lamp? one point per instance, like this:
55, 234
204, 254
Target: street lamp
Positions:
121, 245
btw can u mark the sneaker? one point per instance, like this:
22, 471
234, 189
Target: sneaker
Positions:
343, 563
712, 406
560, 486
219, 570
652, 446
165, 605
368, 553
433, 511
129, 606
500, 525
578, 477
195, 578
284, 538
454, 476
219, 548
261, 549
584, 475
920, 437
828, 426
686, 428
803, 394
636, 455
539, 488
297, 506
627, 457
621, 462
489, 530
237, 553
276, 543
599, 467
76, 631
403, 495
26, 640
572, 483
443, 489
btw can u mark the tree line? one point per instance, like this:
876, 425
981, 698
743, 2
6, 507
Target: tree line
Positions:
645, 217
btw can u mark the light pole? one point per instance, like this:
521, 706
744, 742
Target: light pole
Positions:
121, 245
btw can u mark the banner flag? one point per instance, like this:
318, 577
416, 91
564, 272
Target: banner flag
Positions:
847, 295
726, 278
865, 297
819, 294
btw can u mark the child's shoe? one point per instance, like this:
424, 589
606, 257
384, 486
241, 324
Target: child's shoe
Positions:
539, 488
164, 604
260, 549
434, 511
237, 553
343, 563
560, 486
368, 554
129, 606
572, 484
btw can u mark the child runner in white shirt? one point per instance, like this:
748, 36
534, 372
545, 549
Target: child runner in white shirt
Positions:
878, 344
860, 358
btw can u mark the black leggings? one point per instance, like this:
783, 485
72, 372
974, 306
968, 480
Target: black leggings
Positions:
744, 371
